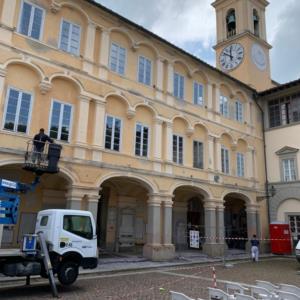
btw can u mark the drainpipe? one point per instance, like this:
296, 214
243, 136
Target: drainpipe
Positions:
255, 97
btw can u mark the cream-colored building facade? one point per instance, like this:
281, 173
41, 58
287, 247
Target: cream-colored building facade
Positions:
155, 141
281, 107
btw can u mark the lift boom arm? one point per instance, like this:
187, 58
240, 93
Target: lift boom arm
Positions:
10, 199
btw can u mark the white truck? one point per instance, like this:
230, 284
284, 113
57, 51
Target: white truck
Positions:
71, 240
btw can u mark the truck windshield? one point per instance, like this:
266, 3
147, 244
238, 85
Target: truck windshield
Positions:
79, 225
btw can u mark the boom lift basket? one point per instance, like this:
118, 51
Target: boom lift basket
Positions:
42, 159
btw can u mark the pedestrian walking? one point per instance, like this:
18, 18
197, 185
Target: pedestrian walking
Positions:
254, 248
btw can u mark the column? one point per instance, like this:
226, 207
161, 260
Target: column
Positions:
89, 48
168, 247
214, 227
159, 77
251, 220
104, 54
74, 198
249, 163
218, 160
220, 223
2, 96
170, 83
153, 247
211, 153
92, 204
8, 13
210, 222
167, 216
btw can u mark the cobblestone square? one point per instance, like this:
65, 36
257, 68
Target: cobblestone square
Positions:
156, 284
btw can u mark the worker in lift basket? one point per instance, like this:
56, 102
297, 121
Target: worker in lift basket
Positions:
254, 248
39, 142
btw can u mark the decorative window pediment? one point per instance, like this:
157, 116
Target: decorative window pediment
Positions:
286, 150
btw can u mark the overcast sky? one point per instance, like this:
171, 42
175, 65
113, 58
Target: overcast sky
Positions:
190, 24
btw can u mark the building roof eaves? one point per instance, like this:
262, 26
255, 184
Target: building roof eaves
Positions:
279, 88
170, 44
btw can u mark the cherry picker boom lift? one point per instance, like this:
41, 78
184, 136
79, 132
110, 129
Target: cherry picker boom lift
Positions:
63, 241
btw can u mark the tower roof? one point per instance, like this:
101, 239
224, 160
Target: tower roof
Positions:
219, 2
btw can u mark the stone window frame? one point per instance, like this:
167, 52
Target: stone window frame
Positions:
287, 153
33, 7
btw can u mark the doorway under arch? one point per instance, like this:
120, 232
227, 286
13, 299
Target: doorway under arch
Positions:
235, 221
122, 214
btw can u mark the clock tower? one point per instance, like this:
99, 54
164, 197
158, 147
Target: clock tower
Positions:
242, 49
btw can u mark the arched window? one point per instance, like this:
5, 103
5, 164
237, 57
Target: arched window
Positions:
231, 23
255, 22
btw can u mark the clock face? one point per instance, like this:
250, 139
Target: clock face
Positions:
259, 57
231, 56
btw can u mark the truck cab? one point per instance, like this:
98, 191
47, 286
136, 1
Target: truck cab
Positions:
70, 237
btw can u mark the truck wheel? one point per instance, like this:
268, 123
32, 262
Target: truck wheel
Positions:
67, 273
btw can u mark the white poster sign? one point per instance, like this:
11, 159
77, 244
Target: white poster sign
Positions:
194, 239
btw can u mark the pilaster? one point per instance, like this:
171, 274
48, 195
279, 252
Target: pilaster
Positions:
159, 78
98, 136
89, 48
3, 73
104, 54
218, 147
170, 83
82, 126
7, 19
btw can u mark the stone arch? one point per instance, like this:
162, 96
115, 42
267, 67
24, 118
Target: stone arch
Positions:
185, 120
239, 194
201, 124
119, 96
150, 107
243, 94
285, 194
70, 78
199, 187
64, 171
241, 141
77, 7
224, 86
202, 74
151, 187
150, 46
29, 64
124, 32
183, 64
228, 134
